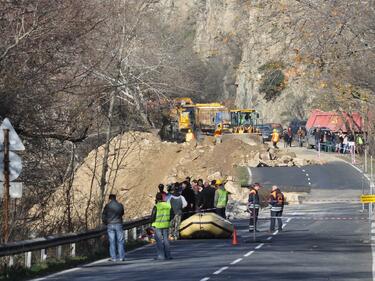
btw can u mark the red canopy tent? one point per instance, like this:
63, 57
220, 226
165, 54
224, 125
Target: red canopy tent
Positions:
335, 121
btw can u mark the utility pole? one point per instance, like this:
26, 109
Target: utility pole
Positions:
6, 188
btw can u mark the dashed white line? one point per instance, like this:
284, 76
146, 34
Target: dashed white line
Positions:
236, 261
269, 238
248, 253
303, 170
275, 233
309, 179
259, 246
221, 270
205, 279
289, 219
309, 183
307, 175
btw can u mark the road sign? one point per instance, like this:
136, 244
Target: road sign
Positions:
15, 166
368, 198
15, 142
15, 190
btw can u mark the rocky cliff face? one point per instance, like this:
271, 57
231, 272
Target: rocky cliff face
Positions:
252, 50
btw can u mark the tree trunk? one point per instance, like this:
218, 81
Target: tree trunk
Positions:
103, 178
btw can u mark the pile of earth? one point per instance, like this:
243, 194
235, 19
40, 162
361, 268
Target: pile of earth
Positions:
139, 161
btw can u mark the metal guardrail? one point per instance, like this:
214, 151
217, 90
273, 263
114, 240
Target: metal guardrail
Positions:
41, 243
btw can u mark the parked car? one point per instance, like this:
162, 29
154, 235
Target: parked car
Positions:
310, 137
276, 126
266, 131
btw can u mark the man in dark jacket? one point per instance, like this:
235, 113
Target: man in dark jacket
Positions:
253, 206
207, 199
112, 217
188, 194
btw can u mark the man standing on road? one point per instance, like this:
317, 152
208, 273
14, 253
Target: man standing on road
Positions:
161, 217
275, 138
253, 206
221, 199
276, 200
177, 202
112, 217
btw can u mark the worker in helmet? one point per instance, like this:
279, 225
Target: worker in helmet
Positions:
189, 136
221, 198
275, 138
218, 132
276, 200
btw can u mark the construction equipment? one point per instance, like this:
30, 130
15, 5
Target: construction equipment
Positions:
205, 118
185, 115
242, 126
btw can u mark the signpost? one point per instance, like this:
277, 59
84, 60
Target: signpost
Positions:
367, 198
11, 166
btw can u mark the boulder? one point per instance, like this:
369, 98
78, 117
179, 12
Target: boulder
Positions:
265, 156
300, 162
214, 176
253, 163
286, 159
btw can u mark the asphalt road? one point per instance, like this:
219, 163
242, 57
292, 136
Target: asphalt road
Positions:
334, 175
319, 242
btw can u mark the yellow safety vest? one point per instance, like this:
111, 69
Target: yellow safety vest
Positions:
163, 215
223, 199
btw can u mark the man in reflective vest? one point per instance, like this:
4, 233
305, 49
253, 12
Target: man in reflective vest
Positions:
276, 201
161, 217
253, 206
221, 199
275, 137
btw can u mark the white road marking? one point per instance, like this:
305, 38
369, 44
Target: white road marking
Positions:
284, 225
205, 279
303, 170
309, 179
269, 238
309, 183
221, 270
259, 246
289, 219
248, 254
307, 175
275, 233
236, 261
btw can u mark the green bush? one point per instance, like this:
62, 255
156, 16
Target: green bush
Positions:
272, 84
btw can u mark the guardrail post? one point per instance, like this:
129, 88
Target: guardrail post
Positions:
43, 254
28, 259
126, 235
59, 252
73, 249
134, 233
11, 261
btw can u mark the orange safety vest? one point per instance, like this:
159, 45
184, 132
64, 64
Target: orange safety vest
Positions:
275, 137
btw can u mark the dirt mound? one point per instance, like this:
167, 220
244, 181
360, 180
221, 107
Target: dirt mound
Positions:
139, 162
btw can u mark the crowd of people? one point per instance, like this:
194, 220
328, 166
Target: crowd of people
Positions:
180, 201
324, 140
